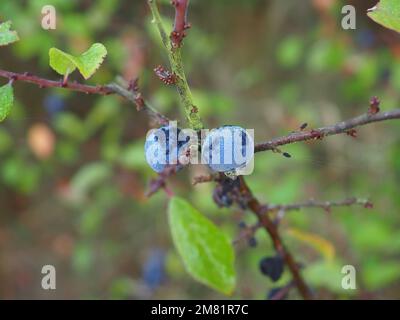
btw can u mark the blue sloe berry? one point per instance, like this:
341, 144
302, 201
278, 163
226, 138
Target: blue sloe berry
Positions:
54, 103
227, 148
162, 147
153, 271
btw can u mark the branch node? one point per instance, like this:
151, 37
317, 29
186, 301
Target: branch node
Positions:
374, 104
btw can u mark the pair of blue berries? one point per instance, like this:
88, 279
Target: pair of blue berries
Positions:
224, 149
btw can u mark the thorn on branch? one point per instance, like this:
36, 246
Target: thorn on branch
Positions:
352, 133
133, 86
374, 104
180, 24
368, 205
194, 109
165, 75
303, 126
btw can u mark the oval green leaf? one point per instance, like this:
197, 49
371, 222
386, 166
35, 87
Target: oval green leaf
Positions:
386, 13
206, 251
6, 35
6, 100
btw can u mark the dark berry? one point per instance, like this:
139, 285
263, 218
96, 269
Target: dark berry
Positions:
242, 225
252, 242
272, 267
53, 104
153, 272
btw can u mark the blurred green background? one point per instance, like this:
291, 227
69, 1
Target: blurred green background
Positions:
72, 168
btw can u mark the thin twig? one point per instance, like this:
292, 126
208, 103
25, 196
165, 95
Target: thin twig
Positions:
160, 181
142, 105
249, 232
317, 134
45, 83
327, 205
112, 88
205, 178
281, 294
259, 210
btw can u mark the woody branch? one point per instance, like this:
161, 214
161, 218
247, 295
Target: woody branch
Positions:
347, 126
128, 91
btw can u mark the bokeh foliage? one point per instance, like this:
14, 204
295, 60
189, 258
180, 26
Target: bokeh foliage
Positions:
267, 65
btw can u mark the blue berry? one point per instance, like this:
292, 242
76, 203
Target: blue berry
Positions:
242, 225
162, 147
53, 104
153, 272
227, 148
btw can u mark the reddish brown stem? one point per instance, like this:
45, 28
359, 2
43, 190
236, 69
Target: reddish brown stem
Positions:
131, 93
45, 83
161, 180
260, 211
317, 134
181, 24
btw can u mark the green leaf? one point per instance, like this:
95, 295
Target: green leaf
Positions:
6, 100
6, 35
386, 13
206, 251
87, 63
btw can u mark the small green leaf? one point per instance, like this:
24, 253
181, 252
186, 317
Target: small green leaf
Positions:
87, 63
6, 35
206, 251
61, 62
6, 100
386, 13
